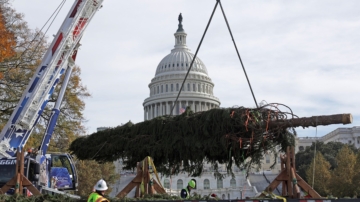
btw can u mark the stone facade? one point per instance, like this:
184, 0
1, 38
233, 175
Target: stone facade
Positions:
343, 135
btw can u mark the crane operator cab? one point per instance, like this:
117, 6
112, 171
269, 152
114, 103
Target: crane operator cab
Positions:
58, 172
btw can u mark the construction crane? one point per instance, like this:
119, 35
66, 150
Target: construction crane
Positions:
53, 170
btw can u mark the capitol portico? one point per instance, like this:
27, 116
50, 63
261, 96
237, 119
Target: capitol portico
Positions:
197, 92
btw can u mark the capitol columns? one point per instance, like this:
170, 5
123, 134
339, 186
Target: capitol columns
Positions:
161, 109
151, 112
145, 113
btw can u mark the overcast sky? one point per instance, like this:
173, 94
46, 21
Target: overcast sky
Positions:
304, 54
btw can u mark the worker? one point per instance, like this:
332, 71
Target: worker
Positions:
185, 193
98, 195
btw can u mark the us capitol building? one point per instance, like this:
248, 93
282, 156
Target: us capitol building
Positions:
197, 93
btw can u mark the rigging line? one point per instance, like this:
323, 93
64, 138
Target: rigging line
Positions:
313, 177
267, 180
197, 50
99, 149
59, 7
247, 78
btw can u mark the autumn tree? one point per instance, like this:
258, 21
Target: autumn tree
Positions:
328, 150
18, 70
320, 174
341, 183
7, 41
356, 179
89, 172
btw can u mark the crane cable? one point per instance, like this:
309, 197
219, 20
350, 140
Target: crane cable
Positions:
242, 65
191, 64
56, 12
197, 50
313, 174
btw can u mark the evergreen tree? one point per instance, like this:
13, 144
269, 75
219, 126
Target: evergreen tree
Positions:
321, 176
341, 183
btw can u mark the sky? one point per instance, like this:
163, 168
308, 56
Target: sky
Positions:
303, 54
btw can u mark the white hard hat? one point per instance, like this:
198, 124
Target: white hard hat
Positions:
101, 185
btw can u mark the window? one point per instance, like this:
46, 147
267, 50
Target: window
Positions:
172, 87
219, 183
188, 87
162, 88
203, 88
206, 89
267, 157
179, 184
177, 64
232, 183
301, 148
173, 65
167, 183
199, 87
158, 89
166, 88
194, 87
206, 184
177, 87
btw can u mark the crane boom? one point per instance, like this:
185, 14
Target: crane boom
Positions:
54, 63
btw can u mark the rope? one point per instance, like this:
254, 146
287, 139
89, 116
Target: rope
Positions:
228, 26
99, 150
267, 180
313, 177
197, 50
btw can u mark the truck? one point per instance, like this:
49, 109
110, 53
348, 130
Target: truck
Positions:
46, 171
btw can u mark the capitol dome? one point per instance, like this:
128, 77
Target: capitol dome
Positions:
170, 73
180, 60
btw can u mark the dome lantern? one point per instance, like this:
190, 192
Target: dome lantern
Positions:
180, 37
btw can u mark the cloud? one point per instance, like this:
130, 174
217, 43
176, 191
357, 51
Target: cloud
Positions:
302, 54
